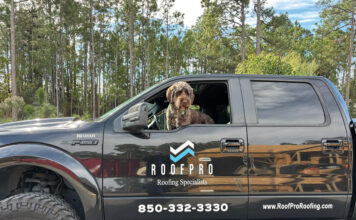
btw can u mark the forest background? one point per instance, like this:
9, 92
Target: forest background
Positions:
84, 57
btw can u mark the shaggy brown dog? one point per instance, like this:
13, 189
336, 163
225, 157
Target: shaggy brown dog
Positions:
180, 96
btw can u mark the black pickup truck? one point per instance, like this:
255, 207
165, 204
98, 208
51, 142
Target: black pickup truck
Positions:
280, 147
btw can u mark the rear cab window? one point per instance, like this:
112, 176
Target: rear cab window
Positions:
287, 103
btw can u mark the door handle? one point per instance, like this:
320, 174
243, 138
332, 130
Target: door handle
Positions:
232, 145
332, 146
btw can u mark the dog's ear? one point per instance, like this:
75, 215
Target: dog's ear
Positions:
191, 94
169, 94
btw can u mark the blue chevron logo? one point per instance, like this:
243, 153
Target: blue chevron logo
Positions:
181, 155
182, 151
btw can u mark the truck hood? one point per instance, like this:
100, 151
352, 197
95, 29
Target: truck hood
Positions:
37, 123
58, 132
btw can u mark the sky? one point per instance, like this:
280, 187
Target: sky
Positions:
305, 11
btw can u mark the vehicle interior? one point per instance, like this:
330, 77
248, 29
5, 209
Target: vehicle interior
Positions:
210, 98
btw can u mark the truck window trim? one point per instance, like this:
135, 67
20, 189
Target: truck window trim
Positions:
225, 82
327, 119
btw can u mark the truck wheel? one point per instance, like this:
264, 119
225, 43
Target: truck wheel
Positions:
36, 206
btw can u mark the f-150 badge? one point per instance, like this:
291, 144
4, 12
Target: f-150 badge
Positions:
183, 150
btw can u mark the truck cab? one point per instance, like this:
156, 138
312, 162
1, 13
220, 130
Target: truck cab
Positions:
280, 147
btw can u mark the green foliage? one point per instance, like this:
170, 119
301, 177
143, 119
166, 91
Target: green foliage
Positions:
264, 64
5, 120
47, 111
353, 98
40, 109
291, 64
5, 82
9, 103
28, 111
40, 96
299, 66
85, 116
332, 37
213, 50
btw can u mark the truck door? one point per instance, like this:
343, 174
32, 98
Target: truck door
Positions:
193, 172
298, 150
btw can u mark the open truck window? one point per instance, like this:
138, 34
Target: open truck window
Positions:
211, 98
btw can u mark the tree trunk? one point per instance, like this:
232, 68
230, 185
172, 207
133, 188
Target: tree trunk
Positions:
31, 64
86, 75
132, 48
143, 44
243, 31
101, 66
13, 61
8, 74
258, 28
176, 60
349, 63
148, 67
73, 77
92, 64
128, 74
167, 41
46, 79
70, 90
343, 84
59, 88
147, 52
57, 92
56, 83
143, 61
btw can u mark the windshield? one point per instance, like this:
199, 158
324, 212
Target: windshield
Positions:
117, 108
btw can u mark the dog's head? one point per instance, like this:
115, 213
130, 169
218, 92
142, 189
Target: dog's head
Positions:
181, 95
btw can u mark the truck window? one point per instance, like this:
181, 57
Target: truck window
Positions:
210, 98
287, 103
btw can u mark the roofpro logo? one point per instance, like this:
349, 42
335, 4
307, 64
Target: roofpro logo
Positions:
193, 166
183, 150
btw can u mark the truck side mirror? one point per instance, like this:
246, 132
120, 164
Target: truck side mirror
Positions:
136, 117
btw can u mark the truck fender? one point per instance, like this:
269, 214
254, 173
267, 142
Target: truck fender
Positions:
63, 164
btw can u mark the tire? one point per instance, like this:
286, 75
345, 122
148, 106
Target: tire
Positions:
36, 206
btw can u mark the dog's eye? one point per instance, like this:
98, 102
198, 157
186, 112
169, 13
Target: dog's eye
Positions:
179, 93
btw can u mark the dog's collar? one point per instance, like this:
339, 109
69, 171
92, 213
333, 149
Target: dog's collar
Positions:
183, 112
